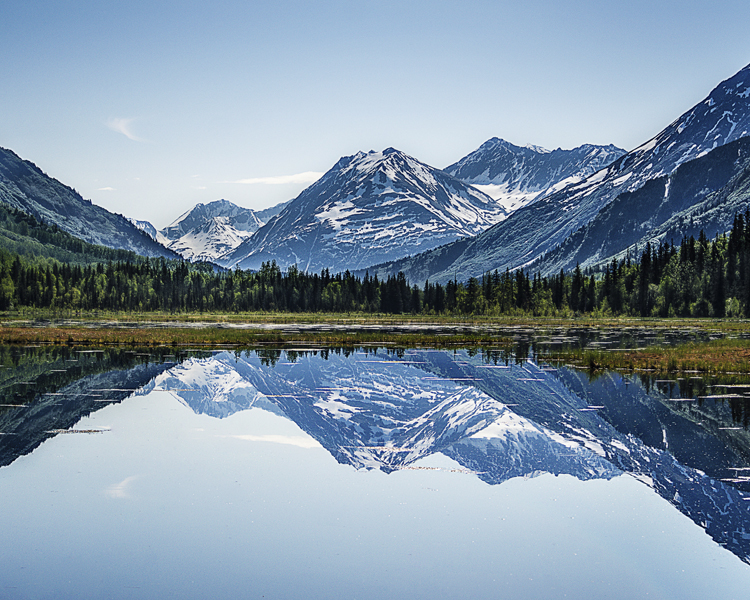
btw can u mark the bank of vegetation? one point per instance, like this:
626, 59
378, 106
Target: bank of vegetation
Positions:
698, 278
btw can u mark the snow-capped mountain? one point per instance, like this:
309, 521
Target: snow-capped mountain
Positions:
209, 241
242, 219
538, 228
515, 176
702, 194
25, 187
146, 227
208, 231
368, 208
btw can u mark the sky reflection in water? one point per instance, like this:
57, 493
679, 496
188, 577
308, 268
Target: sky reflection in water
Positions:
227, 485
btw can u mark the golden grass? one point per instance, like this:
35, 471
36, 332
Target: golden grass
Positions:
716, 356
212, 336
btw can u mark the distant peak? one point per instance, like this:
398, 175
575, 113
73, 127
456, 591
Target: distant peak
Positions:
496, 141
537, 149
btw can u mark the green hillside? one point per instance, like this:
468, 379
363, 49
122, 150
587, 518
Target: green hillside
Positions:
23, 234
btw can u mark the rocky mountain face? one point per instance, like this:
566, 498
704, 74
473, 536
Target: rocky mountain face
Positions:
25, 187
208, 231
702, 194
516, 176
538, 228
366, 209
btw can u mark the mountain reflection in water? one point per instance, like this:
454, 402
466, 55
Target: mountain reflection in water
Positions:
496, 416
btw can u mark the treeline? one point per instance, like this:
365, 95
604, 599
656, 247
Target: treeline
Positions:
700, 278
24, 234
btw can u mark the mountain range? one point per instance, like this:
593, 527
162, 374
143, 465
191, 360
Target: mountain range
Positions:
388, 212
539, 228
382, 205
516, 176
367, 208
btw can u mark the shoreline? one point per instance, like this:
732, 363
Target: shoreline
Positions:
728, 354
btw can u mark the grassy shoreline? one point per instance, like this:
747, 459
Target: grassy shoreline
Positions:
715, 357
28, 316
257, 330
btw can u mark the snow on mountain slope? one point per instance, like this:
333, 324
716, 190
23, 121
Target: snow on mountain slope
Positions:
538, 228
209, 241
207, 231
148, 228
368, 208
242, 219
516, 176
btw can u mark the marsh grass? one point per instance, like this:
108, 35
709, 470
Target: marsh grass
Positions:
28, 316
213, 336
716, 356
248, 330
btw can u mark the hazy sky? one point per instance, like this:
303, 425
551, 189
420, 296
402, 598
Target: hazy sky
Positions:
149, 107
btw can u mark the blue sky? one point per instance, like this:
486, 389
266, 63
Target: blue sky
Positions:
150, 107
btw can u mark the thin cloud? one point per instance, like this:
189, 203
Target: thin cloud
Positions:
123, 126
120, 490
106, 189
288, 440
306, 177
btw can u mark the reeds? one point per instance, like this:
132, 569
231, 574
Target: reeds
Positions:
715, 356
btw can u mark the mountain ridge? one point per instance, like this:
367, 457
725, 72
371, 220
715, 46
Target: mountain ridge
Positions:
24, 186
538, 228
369, 205
518, 175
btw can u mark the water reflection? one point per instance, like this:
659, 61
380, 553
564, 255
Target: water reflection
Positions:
497, 414
46, 390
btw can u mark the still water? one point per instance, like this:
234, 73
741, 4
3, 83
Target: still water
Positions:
368, 473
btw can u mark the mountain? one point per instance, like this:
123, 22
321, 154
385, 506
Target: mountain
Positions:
25, 187
22, 234
209, 241
145, 226
702, 194
538, 228
242, 219
366, 209
208, 231
516, 176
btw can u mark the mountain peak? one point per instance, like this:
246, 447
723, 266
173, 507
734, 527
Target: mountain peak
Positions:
369, 208
517, 176
537, 229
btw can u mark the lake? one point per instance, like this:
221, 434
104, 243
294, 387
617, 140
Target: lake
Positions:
368, 473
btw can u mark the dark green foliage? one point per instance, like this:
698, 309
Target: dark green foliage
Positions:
24, 234
701, 278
